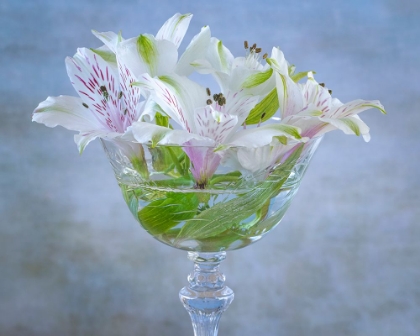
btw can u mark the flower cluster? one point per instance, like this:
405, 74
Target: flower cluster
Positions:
139, 90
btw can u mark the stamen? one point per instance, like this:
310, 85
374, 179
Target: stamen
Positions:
246, 44
85, 105
208, 91
257, 50
265, 56
216, 96
125, 111
120, 95
254, 46
322, 84
104, 91
330, 92
262, 116
209, 102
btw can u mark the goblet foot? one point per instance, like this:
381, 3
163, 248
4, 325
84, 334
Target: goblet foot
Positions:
206, 297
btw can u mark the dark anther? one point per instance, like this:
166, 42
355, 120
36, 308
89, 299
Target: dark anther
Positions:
104, 91
330, 92
246, 44
208, 91
221, 101
125, 111
265, 56
216, 96
262, 116
120, 95
257, 50
209, 102
322, 84
254, 46
85, 105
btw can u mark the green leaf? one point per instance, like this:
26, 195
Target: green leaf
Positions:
139, 164
169, 159
108, 56
257, 79
265, 109
163, 214
130, 198
223, 216
162, 120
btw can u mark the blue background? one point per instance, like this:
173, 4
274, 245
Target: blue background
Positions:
344, 261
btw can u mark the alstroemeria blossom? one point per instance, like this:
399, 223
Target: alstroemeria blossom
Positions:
318, 112
138, 90
203, 125
158, 55
107, 103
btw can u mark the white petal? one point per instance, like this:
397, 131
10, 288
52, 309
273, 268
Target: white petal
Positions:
196, 50
110, 39
278, 62
180, 137
145, 54
84, 138
175, 28
289, 95
317, 96
150, 133
219, 56
98, 85
65, 111
260, 158
131, 103
146, 133
355, 107
350, 125
261, 136
214, 124
177, 96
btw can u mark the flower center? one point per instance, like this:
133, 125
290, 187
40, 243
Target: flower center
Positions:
253, 55
219, 98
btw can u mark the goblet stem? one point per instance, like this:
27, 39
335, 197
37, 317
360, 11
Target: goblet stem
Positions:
206, 297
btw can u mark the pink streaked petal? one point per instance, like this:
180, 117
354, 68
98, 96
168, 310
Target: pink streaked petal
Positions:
214, 124
204, 161
355, 107
177, 96
239, 104
98, 86
316, 95
130, 96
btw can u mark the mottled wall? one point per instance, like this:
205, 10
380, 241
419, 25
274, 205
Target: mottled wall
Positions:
346, 258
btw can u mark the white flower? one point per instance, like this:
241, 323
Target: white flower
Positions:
158, 55
107, 103
319, 112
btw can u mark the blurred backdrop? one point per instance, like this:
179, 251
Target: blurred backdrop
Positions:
344, 261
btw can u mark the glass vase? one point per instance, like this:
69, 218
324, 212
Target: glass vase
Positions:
208, 201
